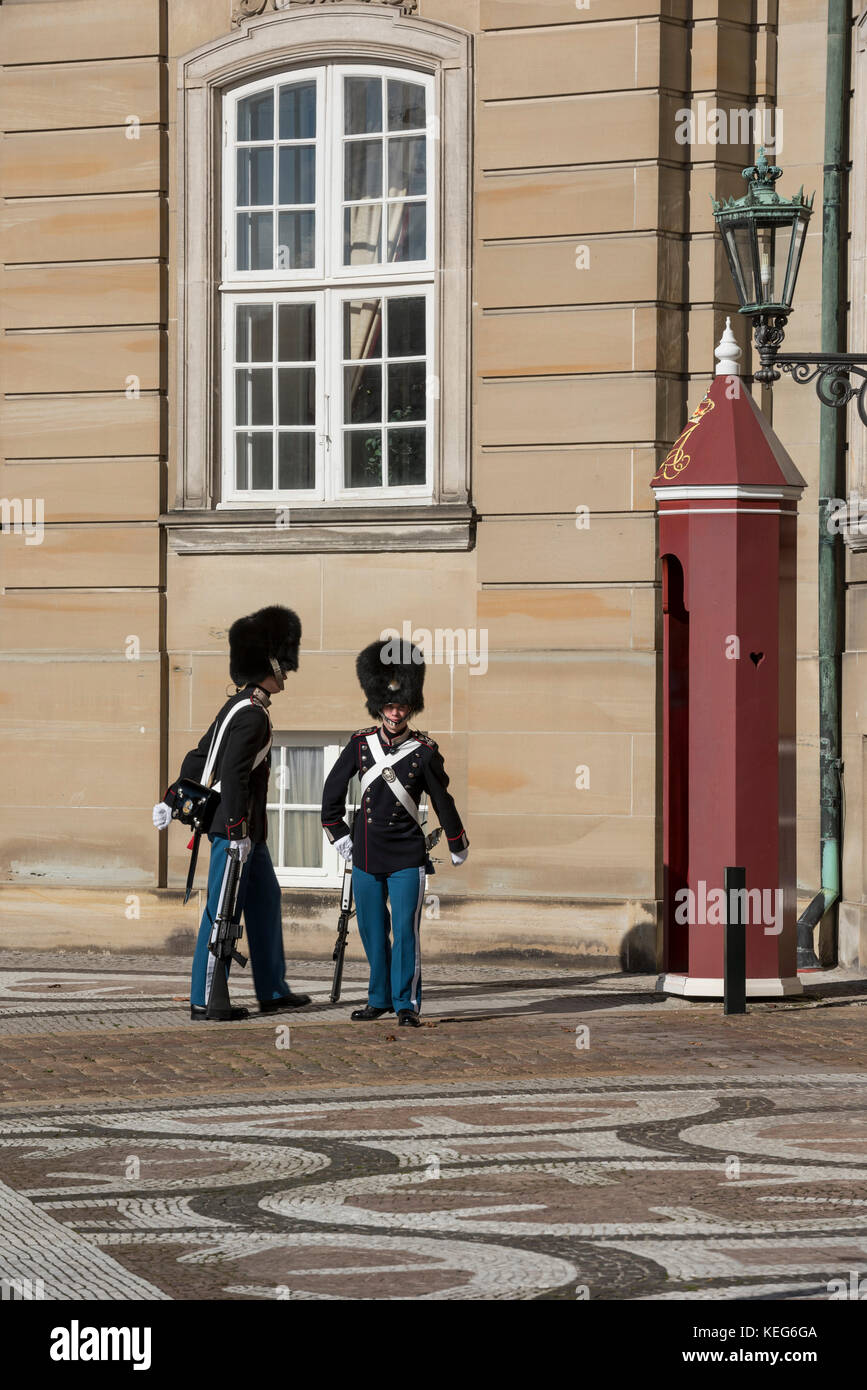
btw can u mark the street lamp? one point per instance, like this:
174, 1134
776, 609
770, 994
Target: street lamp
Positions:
763, 234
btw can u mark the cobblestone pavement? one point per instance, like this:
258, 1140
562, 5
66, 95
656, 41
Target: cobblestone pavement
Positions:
548, 1134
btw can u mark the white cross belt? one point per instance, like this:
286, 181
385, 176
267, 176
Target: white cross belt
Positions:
387, 760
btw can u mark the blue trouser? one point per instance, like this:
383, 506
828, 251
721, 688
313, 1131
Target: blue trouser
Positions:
395, 968
259, 900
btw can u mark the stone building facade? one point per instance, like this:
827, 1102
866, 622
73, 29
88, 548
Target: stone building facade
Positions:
388, 312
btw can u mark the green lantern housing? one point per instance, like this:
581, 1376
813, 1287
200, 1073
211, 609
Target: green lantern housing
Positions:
763, 234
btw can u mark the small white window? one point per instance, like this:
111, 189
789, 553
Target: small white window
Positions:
328, 271
302, 855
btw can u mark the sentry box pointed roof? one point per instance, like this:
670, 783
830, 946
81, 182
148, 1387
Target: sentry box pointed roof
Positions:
727, 441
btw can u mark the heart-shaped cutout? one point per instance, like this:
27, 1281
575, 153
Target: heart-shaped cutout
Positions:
757, 658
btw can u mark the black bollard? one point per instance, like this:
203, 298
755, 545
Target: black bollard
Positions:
735, 948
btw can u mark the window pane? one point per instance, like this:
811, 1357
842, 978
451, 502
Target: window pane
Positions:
302, 843
297, 174
363, 105
255, 178
274, 835
304, 775
253, 396
362, 329
296, 249
256, 117
298, 111
406, 391
255, 241
295, 386
253, 461
362, 170
407, 228
296, 469
362, 450
362, 395
361, 234
406, 327
406, 457
407, 169
253, 333
296, 334
406, 106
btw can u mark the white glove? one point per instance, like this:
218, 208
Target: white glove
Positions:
344, 847
241, 848
459, 858
162, 815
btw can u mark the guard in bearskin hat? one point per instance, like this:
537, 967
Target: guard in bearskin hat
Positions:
394, 765
263, 649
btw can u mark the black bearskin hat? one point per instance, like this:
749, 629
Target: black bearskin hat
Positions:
254, 640
391, 673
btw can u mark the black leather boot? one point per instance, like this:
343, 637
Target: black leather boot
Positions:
287, 1001
230, 1015
408, 1018
367, 1013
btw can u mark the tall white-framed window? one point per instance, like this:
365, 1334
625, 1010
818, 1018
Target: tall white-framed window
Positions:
300, 850
329, 256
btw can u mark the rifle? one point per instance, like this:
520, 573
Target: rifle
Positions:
347, 913
225, 932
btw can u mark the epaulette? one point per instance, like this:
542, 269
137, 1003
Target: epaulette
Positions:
360, 733
423, 737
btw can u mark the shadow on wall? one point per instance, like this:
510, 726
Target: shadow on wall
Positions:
638, 949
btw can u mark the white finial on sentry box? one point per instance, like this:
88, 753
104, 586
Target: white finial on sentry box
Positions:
727, 353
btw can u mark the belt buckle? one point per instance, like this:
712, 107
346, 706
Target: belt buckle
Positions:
388, 773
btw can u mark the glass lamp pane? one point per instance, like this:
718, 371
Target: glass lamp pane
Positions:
296, 332
362, 329
407, 231
256, 117
796, 248
738, 244
406, 106
406, 326
298, 111
362, 452
767, 247
296, 470
406, 457
362, 233
362, 105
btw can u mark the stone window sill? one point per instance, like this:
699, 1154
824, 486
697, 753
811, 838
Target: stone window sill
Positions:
266, 531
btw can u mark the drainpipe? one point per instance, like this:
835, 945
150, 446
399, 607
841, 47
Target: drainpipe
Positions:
832, 483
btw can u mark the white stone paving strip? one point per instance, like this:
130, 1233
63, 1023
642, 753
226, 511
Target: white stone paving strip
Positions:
36, 1247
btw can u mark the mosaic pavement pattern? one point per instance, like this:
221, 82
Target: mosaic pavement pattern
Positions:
673, 1185
676, 1189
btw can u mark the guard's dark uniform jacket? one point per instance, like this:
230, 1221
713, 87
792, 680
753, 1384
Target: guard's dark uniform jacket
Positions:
386, 837
243, 788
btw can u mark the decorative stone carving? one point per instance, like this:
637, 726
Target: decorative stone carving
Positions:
248, 9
